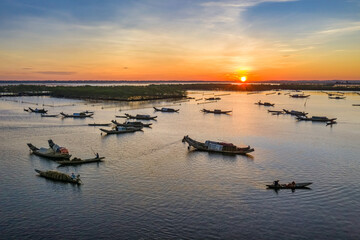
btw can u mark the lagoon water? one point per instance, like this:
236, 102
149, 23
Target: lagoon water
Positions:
151, 187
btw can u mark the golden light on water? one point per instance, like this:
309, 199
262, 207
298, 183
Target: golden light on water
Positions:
243, 78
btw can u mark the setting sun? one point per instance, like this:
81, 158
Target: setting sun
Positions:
243, 78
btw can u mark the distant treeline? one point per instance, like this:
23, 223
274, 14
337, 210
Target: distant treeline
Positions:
154, 91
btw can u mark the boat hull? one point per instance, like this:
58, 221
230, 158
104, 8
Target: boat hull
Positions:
78, 162
289, 186
36, 151
58, 176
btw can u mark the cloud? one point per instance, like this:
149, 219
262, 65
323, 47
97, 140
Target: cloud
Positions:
56, 73
349, 27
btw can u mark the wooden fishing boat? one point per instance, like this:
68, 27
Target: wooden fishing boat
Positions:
295, 113
59, 176
215, 111
166, 109
78, 161
141, 117
315, 119
49, 115
54, 152
86, 112
99, 124
299, 95
219, 147
267, 104
289, 186
121, 129
132, 124
356, 105
36, 110
76, 115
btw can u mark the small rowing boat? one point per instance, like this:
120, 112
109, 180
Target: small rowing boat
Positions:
166, 109
215, 111
37, 110
49, 115
295, 113
267, 104
59, 176
315, 119
141, 117
289, 186
78, 161
131, 124
121, 129
99, 124
77, 115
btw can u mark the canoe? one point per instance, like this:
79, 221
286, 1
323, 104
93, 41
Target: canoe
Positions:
58, 176
78, 161
48, 152
126, 130
76, 115
299, 96
141, 117
99, 124
275, 111
131, 124
219, 147
289, 186
212, 98
166, 109
215, 111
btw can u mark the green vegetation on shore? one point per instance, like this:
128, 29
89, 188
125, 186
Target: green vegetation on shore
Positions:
158, 91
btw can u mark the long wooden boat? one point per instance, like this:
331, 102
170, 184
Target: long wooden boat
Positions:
166, 109
315, 119
131, 124
36, 110
76, 115
120, 129
59, 176
356, 105
49, 152
267, 104
295, 113
289, 186
78, 161
215, 111
213, 99
99, 124
299, 95
275, 111
219, 147
49, 115
140, 117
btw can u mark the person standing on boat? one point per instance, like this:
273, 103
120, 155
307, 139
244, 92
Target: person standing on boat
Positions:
73, 176
97, 155
276, 183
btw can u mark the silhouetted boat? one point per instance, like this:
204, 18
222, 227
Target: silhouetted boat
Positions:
215, 111
299, 96
141, 117
59, 176
275, 111
121, 129
77, 115
220, 147
99, 124
131, 124
78, 161
54, 152
289, 186
36, 110
315, 119
295, 113
166, 109
213, 98
267, 104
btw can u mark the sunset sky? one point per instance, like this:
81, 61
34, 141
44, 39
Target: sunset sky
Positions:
179, 40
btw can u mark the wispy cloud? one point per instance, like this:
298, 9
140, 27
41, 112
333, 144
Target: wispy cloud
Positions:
56, 73
349, 27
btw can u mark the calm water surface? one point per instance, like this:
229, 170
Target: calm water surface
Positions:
152, 187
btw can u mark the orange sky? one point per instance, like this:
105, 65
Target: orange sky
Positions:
205, 40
